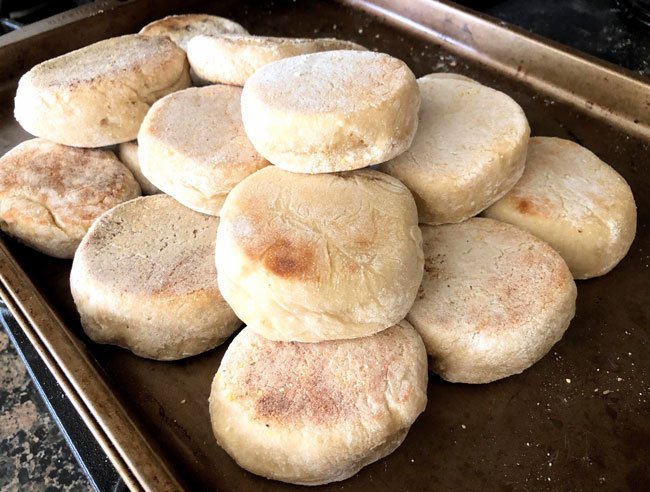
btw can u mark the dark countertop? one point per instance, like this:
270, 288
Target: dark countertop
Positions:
607, 29
33, 452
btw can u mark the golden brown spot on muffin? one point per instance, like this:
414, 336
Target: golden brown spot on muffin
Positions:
524, 206
539, 206
312, 398
291, 383
289, 259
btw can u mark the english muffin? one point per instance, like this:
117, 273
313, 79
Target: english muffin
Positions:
98, 95
447, 75
128, 154
469, 150
313, 413
182, 28
493, 301
575, 202
192, 146
319, 257
50, 194
144, 279
331, 111
233, 59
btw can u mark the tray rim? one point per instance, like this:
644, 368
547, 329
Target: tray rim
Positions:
449, 22
81, 381
81, 378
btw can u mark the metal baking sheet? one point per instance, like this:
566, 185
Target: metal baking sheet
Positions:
577, 420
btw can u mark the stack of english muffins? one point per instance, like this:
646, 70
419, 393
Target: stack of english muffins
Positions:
322, 259
338, 195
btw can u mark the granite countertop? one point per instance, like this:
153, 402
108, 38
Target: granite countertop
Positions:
33, 452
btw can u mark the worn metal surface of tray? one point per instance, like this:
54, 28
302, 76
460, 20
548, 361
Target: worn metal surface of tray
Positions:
577, 420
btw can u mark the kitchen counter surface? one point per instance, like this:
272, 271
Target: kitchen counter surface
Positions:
34, 454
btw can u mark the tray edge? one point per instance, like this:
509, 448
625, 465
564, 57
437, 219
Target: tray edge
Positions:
552, 69
82, 383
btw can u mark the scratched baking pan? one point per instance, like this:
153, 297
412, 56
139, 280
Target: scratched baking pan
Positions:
577, 420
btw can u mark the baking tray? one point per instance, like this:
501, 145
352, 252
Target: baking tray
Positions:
577, 420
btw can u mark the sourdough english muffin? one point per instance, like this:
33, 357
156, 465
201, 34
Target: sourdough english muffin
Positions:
233, 59
181, 28
128, 154
50, 194
575, 202
192, 146
98, 95
331, 111
144, 279
493, 301
313, 413
469, 150
319, 257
